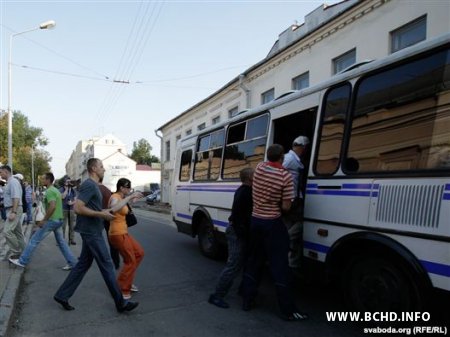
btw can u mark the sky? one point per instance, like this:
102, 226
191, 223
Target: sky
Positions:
128, 67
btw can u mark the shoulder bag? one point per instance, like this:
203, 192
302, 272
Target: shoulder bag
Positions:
130, 218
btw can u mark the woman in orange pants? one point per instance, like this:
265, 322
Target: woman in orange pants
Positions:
130, 250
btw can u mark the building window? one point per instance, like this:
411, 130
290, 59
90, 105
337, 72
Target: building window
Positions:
301, 81
188, 132
201, 126
178, 138
233, 112
268, 96
168, 150
409, 34
344, 61
215, 120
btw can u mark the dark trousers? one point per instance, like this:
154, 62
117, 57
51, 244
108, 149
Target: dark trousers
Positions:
269, 238
115, 255
94, 248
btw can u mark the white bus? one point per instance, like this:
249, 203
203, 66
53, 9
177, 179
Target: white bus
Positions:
377, 192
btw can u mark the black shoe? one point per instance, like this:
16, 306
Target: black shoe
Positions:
128, 306
247, 305
218, 302
73, 243
64, 304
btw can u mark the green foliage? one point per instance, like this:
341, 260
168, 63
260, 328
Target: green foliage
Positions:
25, 137
141, 153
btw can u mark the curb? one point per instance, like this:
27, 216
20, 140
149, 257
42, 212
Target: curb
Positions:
8, 298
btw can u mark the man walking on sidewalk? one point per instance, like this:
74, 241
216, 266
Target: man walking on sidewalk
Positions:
52, 222
12, 200
90, 214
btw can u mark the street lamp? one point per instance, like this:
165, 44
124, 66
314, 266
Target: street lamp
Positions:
45, 25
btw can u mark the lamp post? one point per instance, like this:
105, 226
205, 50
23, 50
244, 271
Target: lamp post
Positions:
45, 25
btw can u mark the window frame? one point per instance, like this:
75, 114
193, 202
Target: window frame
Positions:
404, 29
341, 57
265, 93
296, 78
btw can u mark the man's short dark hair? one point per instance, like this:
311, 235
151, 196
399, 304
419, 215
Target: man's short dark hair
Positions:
49, 176
275, 152
6, 167
245, 174
91, 163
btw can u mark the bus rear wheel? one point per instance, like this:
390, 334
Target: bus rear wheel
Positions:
379, 284
207, 242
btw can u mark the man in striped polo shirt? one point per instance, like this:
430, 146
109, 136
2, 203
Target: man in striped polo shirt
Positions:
273, 191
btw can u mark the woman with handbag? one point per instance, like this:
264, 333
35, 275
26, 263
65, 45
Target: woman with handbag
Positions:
130, 250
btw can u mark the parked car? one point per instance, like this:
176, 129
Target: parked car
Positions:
153, 197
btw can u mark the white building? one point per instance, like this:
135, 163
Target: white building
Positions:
112, 151
331, 39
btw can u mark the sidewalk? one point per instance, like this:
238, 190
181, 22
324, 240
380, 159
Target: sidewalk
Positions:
11, 276
10, 279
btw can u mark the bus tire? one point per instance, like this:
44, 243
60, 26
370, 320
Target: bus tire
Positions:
207, 242
380, 284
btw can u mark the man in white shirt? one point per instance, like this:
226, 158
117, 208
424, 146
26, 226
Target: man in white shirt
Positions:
12, 200
294, 218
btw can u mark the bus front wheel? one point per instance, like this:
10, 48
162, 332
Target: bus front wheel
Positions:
378, 284
207, 242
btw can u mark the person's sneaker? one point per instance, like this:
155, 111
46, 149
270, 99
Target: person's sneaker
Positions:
218, 302
128, 306
134, 289
67, 267
73, 243
16, 262
126, 296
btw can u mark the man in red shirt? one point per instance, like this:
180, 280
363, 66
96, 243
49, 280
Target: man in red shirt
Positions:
273, 192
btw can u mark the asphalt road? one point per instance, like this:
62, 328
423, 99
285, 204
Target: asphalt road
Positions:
174, 281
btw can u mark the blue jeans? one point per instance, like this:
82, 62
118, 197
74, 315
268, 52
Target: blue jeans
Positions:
29, 211
41, 234
93, 248
236, 253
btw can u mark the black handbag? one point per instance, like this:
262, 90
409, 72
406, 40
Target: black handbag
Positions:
130, 218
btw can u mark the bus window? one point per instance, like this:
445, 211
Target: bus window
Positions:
334, 114
209, 156
185, 165
401, 117
245, 146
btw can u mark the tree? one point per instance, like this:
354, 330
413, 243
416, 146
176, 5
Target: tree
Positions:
25, 139
141, 153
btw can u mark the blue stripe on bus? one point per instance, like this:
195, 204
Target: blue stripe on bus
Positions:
186, 216
315, 246
220, 223
431, 267
357, 186
447, 187
311, 185
436, 268
446, 196
375, 194
207, 189
338, 192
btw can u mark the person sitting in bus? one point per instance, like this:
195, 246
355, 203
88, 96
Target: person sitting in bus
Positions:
293, 219
237, 238
273, 191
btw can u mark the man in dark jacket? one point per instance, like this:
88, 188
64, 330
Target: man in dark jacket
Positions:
237, 237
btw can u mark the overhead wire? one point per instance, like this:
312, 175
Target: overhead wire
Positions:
137, 44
